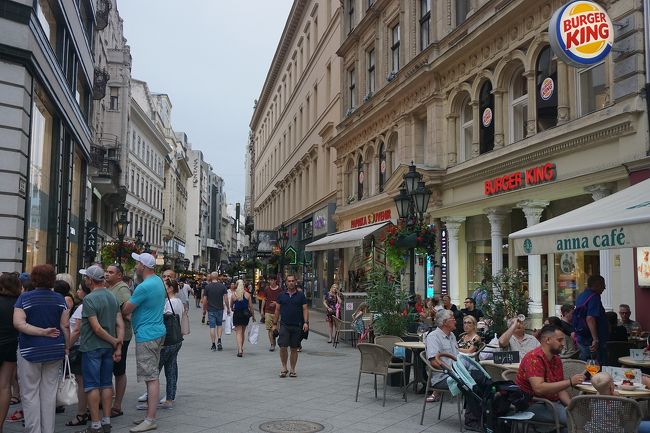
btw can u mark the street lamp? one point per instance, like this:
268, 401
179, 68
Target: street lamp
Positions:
283, 240
138, 240
411, 203
120, 227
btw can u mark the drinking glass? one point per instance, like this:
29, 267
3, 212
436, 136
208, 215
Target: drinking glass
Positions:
521, 317
592, 366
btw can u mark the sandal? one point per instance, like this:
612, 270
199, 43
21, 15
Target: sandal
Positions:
115, 412
284, 373
433, 398
14, 400
293, 374
80, 419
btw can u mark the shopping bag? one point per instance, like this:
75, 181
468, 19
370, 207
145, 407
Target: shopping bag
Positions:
66, 393
253, 334
227, 322
185, 323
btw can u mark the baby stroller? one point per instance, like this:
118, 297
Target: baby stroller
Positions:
491, 402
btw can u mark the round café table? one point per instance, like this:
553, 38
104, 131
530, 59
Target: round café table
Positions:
637, 393
415, 347
628, 361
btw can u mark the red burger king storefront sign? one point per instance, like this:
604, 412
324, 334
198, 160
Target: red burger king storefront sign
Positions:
581, 33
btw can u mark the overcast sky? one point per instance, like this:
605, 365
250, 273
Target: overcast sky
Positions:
211, 57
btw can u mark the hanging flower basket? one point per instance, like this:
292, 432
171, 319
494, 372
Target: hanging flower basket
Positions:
401, 237
110, 251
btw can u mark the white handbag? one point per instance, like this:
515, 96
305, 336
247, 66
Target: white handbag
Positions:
66, 393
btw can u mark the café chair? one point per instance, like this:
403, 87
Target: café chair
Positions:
511, 375
494, 370
376, 360
591, 413
342, 327
431, 369
388, 343
572, 367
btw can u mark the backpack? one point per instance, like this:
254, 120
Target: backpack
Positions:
502, 398
580, 317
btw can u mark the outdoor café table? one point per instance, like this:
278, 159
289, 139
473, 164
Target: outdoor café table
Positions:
415, 347
637, 393
627, 360
514, 366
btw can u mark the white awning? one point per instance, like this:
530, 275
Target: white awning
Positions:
621, 220
345, 239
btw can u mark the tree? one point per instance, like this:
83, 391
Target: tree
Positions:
504, 296
387, 300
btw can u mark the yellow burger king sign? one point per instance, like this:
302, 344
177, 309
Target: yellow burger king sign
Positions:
581, 33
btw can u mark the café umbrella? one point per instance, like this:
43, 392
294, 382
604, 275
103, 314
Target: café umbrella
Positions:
621, 220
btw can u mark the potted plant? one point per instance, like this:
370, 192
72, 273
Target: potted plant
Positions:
503, 296
387, 301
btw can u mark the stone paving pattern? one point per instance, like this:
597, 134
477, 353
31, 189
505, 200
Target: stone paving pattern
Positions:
218, 392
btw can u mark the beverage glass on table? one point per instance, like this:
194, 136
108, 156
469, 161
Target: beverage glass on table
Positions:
592, 367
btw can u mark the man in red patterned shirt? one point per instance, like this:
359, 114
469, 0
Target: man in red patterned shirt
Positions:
541, 375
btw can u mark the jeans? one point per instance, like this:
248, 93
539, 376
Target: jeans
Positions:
168, 357
585, 352
543, 414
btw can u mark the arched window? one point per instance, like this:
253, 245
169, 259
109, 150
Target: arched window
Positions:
466, 125
546, 90
486, 110
518, 96
382, 167
360, 178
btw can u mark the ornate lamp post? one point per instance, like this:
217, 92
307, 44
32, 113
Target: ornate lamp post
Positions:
411, 203
283, 240
120, 227
138, 240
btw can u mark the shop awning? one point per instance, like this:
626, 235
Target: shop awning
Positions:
621, 220
345, 239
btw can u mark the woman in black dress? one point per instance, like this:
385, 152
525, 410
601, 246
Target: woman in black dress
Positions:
242, 312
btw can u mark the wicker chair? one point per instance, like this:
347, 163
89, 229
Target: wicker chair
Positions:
341, 327
588, 413
494, 370
511, 375
388, 343
430, 369
572, 367
375, 360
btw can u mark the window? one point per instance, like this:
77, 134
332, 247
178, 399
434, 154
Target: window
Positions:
546, 90
352, 93
360, 178
82, 94
462, 9
394, 48
371, 71
351, 15
486, 110
592, 89
370, 2
466, 130
382, 167
425, 23
45, 12
115, 99
518, 106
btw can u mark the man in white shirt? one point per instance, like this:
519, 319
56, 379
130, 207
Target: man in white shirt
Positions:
515, 338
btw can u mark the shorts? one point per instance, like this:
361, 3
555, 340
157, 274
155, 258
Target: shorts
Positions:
97, 369
290, 336
215, 318
8, 352
268, 321
119, 368
147, 357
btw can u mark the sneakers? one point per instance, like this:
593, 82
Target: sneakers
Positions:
142, 406
144, 426
143, 397
166, 404
213, 347
219, 346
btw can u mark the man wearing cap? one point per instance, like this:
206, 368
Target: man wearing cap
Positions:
147, 305
102, 332
114, 280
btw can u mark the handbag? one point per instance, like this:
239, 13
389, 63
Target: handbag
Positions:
173, 327
185, 323
66, 392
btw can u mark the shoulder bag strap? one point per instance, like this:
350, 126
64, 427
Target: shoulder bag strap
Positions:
170, 302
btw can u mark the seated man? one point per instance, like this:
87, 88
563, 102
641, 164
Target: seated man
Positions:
515, 339
541, 375
625, 313
471, 310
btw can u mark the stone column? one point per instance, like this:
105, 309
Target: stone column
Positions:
531, 121
453, 141
453, 225
597, 192
496, 216
476, 129
562, 93
304, 175
533, 211
499, 137
313, 180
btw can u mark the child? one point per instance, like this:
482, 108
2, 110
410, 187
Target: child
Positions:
607, 416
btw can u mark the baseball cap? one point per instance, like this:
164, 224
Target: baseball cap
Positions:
93, 272
147, 260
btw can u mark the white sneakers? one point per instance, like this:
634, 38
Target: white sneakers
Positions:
143, 398
144, 426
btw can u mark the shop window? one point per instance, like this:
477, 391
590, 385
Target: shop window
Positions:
40, 184
382, 167
592, 89
486, 110
466, 130
546, 90
462, 9
425, 23
518, 106
360, 178
572, 270
74, 251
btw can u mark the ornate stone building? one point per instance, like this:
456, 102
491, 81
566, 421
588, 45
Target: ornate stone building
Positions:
470, 91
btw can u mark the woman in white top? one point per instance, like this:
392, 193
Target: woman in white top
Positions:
169, 354
82, 416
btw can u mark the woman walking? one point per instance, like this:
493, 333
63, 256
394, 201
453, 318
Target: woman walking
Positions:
10, 288
41, 318
242, 312
169, 354
330, 302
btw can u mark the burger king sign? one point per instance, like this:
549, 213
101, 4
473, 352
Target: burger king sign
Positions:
581, 33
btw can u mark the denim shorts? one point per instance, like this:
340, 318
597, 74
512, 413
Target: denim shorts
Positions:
97, 369
215, 318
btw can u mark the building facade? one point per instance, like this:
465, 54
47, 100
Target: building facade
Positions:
504, 133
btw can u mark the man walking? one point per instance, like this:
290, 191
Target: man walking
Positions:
215, 300
592, 335
270, 297
114, 277
291, 310
102, 332
147, 305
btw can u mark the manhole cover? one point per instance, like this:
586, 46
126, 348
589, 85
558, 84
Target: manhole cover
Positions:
325, 353
289, 425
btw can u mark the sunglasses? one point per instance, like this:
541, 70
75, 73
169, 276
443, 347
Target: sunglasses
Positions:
468, 323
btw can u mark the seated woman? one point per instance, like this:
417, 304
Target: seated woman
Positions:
470, 341
616, 332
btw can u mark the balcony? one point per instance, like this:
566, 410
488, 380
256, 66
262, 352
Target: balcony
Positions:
105, 167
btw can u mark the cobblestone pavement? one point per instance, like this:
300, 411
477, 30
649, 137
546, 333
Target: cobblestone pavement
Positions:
218, 392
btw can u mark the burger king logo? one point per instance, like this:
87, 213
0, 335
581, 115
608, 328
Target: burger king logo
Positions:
581, 33
547, 88
487, 117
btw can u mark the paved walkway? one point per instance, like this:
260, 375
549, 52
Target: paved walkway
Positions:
218, 392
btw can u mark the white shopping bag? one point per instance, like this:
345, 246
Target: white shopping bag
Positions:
253, 334
227, 322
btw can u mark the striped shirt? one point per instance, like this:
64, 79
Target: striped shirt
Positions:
43, 308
